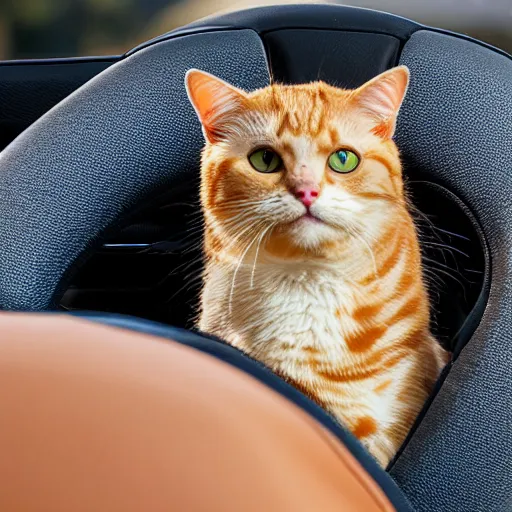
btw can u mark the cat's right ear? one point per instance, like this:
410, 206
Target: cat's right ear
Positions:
379, 100
214, 101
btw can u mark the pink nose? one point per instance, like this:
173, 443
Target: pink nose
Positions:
307, 196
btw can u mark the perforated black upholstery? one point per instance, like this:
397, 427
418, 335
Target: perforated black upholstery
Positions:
456, 122
126, 133
28, 89
130, 131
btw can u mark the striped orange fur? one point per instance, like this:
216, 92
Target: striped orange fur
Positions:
317, 273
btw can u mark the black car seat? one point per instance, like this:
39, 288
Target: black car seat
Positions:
78, 171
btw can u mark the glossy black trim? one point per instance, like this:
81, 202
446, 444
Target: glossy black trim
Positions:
467, 38
473, 319
60, 60
128, 246
302, 16
267, 19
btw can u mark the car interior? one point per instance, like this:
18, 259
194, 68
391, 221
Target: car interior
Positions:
101, 238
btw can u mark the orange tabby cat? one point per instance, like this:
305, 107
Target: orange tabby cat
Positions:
313, 263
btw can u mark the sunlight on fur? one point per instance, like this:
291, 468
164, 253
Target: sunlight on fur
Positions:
313, 263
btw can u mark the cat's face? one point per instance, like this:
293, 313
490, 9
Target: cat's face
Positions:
307, 169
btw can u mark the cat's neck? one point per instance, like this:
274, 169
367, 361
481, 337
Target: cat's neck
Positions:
245, 299
352, 264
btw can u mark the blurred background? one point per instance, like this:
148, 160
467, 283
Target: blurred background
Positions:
70, 28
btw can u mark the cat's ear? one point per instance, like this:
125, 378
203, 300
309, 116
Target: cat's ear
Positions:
380, 99
214, 101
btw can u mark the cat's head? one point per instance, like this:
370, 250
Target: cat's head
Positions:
306, 168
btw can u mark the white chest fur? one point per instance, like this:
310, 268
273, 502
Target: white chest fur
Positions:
289, 313
281, 304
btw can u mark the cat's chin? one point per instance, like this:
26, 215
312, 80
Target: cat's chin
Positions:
310, 232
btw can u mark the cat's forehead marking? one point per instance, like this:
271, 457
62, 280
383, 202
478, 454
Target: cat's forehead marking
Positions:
310, 121
302, 110
305, 148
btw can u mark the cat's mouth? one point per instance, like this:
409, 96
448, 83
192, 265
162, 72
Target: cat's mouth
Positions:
309, 216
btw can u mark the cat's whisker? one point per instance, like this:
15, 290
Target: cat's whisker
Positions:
185, 266
181, 204
196, 213
243, 203
193, 247
196, 227
237, 268
241, 213
192, 242
435, 229
264, 232
435, 262
361, 239
239, 216
243, 230
186, 287
191, 229
236, 203
199, 219
240, 236
415, 210
448, 274
442, 249
433, 280
240, 226
462, 237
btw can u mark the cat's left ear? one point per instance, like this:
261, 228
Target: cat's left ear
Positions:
380, 99
214, 101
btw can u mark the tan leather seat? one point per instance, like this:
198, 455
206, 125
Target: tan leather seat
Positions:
94, 418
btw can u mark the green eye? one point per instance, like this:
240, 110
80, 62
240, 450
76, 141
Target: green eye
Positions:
265, 160
343, 160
